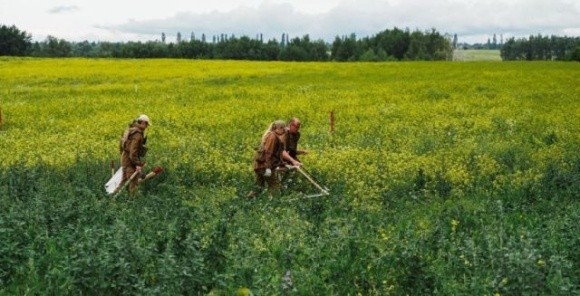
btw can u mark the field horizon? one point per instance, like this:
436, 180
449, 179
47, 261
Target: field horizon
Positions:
469, 55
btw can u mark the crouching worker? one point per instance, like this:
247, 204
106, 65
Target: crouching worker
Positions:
291, 153
292, 138
268, 158
133, 149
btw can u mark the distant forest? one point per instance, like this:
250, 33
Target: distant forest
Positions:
389, 45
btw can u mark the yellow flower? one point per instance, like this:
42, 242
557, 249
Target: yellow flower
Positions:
244, 292
541, 263
454, 224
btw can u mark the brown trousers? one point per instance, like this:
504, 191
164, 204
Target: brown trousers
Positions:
127, 173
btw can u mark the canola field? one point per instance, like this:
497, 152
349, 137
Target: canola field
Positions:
445, 178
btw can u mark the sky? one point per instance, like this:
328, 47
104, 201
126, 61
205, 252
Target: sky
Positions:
474, 21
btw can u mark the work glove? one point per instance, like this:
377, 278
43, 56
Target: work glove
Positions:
268, 173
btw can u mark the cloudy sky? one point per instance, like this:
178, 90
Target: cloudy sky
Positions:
474, 21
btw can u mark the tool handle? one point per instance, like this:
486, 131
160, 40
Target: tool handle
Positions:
112, 168
324, 191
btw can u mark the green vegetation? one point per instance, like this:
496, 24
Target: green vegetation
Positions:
445, 178
542, 48
395, 44
14, 42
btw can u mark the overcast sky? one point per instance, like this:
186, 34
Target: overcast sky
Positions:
474, 21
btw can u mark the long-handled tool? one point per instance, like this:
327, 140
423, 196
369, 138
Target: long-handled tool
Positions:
114, 186
122, 187
112, 168
154, 172
313, 178
323, 189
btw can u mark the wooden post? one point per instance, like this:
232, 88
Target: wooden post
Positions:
331, 121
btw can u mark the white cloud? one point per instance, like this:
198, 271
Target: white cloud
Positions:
64, 8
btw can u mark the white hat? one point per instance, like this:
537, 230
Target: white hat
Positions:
145, 118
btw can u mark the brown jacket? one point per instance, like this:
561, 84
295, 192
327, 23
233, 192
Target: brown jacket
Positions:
292, 143
132, 147
270, 153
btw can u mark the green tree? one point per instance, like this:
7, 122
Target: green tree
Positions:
84, 49
303, 49
57, 47
319, 51
14, 42
394, 42
345, 49
417, 47
575, 56
438, 47
540, 48
369, 56
293, 53
271, 50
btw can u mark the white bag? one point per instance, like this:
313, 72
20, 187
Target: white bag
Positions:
115, 182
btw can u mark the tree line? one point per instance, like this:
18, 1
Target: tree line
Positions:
389, 45
395, 44
542, 48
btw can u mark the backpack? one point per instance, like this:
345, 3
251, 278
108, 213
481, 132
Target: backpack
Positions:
128, 134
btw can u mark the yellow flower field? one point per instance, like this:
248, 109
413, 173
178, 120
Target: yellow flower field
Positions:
391, 119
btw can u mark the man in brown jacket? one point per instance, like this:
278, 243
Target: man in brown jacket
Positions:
292, 138
290, 154
133, 149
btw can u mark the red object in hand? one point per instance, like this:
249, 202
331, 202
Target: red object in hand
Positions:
157, 169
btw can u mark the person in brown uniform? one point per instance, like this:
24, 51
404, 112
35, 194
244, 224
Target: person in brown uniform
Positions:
269, 157
291, 144
133, 150
291, 152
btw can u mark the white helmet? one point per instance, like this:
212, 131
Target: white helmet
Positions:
145, 118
